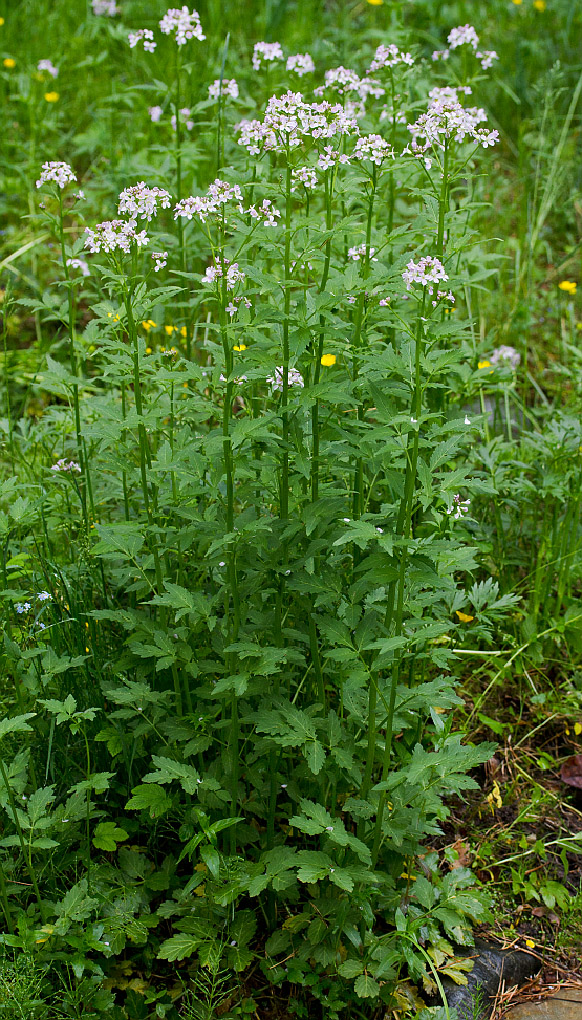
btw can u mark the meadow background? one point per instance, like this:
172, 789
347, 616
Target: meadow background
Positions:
291, 448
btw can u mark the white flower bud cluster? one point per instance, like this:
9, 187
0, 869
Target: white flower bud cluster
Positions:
144, 34
46, 65
428, 270
141, 202
114, 235
300, 64
374, 148
233, 274
269, 52
59, 173
294, 378
183, 24
389, 56
446, 118
228, 87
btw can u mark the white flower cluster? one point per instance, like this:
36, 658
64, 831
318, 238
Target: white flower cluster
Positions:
446, 118
232, 309
504, 353
304, 175
214, 272
300, 64
266, 213
79, 264
269, 52
459, 507
229, 88
330, 156
25, 607
155, 113
160, 258
144, 34
288, 119
343, 80
113, 235
374, 148
141, 202
465, 35
428, 270
389, 56
104, 8
66, 465
185, 121
294, 378
184, 24
60, 173
46, 65
359, 252
203, 206
440, 294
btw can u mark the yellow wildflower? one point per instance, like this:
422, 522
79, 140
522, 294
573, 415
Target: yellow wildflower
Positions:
148, 350
375, 3
169, 329
577, 728
464, 617
494, 798
184, 332
517, 2
540, 5
239, 347
569, 286
1, 21
530, 943
51, 97
9, 62
329, 359
484, 364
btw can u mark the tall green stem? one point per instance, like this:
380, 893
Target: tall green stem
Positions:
72, 356
27, 856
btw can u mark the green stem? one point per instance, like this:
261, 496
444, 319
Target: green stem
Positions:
319, 352
284, 497
72, 357
27, 856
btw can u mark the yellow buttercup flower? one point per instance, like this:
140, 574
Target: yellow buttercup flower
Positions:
569, 286
51, 97
540, 5
375, 3
239, 347
148, 324
484, 364
517, 2
170, 329
1, 21
329, 359
9, 62
530, 943
148, 350
577, 729
184, 332
464, 617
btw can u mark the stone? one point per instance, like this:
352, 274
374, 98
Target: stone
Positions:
474, 1001
564, 1005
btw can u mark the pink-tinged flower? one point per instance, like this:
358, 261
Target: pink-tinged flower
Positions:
289, 119
266, 213
215, 272
46, 65
463, 35
304, 175
504, 353
79, 264
104, 8
114, 235
141, 202
300, 64
145, 35
155, 113
59, 173
294, 378
268, 52
66, 465
373, 147
447, 118
428, 270
459, 507
185, 121
183, 24
160, 258
389, 56
220, 193
359, 252
226, 87
486, 57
